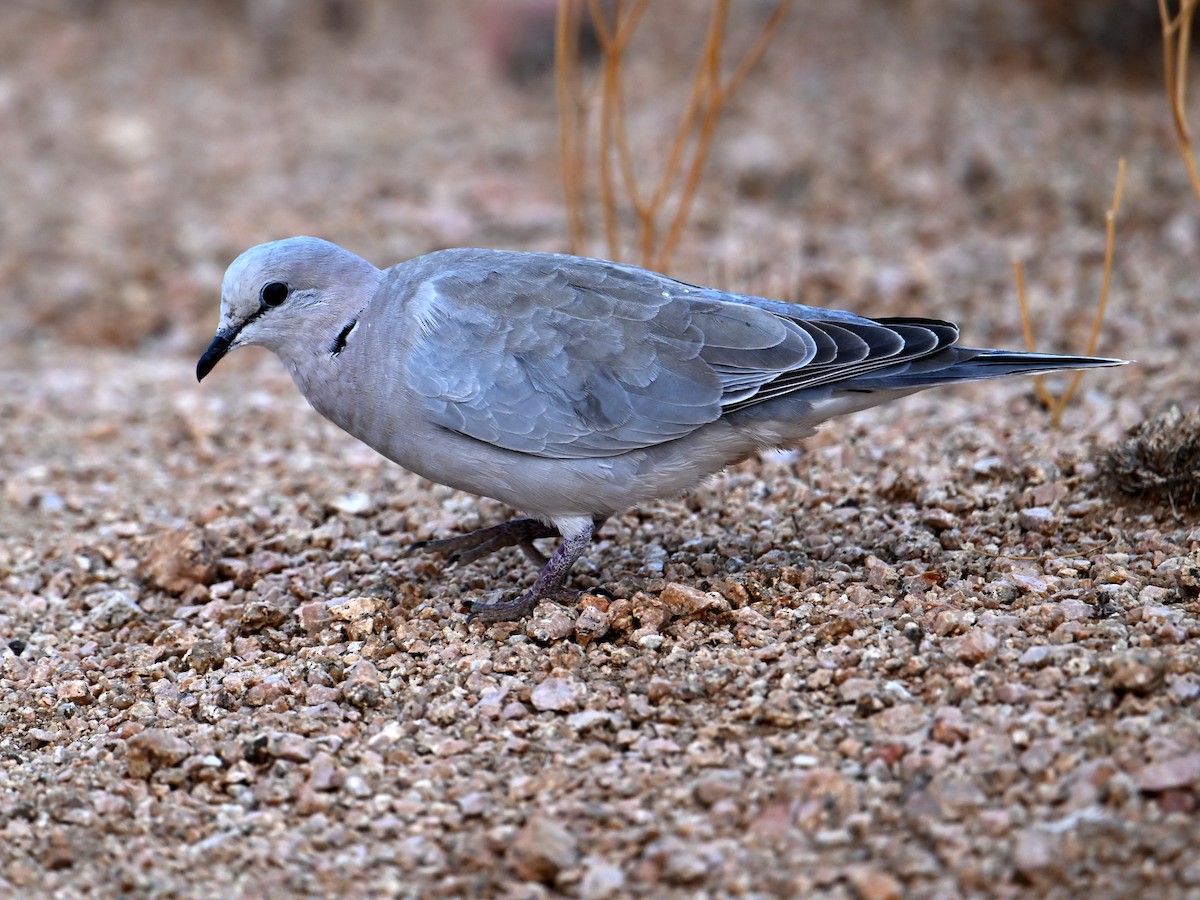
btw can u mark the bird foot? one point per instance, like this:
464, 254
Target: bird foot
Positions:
518, 607
466, 548
549, 584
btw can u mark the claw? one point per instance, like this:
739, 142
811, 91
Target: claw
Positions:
549, 584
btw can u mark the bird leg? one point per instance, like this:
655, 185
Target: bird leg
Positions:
466, 548
549, 583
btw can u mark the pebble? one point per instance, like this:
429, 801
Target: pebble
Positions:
1177, 772
601, 881
1036, 856
290, 746
112, 609
541, 849
557, 695
177, 559
550, 623
591, 625
1040, 519
974, 647
204, 656
153, 749
684, 600
356, 503
324, 773
869, 883
361, 616
361, 686
1136, 671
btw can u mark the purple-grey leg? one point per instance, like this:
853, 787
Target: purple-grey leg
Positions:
549, 583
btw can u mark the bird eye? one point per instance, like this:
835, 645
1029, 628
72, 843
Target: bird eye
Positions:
275, 293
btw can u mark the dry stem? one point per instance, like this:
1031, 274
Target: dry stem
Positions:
683, 171
1177, 33
1058, 405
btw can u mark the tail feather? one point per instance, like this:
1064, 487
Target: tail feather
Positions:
958, 364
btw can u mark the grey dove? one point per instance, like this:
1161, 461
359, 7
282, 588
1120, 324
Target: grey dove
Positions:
569, 388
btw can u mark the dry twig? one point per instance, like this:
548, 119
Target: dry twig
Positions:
681, 174
1177, 33
1058, 405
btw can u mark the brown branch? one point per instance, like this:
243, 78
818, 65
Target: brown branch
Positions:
566, 80
1177, 33
1039, 383
693, 135
717, 95
1058, 405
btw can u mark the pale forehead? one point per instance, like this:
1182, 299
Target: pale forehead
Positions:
299, 262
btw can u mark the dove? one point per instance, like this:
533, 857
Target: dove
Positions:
569, 388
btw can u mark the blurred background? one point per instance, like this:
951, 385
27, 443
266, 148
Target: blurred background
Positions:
884, 156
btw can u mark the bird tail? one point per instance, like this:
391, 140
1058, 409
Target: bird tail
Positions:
958, 364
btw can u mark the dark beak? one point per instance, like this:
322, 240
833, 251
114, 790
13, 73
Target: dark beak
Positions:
218, 348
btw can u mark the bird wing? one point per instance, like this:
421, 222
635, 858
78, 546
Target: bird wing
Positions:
565, 357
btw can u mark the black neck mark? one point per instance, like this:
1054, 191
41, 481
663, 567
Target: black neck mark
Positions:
339, 343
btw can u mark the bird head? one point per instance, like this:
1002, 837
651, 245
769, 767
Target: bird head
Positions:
289, 296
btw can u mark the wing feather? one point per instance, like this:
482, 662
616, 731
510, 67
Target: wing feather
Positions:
564, 357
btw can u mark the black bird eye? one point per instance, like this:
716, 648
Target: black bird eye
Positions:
275, 293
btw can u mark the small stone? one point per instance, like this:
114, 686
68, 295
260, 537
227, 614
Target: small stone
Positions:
589, 718
542, 849
1076, 610
316, 694
549, 624
1029, 582
204, 656
324, 774
58, 852
949, 726
475, 803
361, 686
717, 785
513, 709
177, 559
601, 881
873, 884
1187, 577
659, 689
855, 689
1036, 856
1037, 518
1184, 689
557, 695
153, 749
683, 865
356, 503
363, 616
289, 746
591, 625
1133, 671
684, 600
75, 691
263, 694
112, 609
974, 647
43, 735
1168, 774
314, 616
1036, 656
939, 520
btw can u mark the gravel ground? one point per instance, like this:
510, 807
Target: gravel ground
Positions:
928, 654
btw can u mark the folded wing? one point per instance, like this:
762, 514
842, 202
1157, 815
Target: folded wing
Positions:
563, 357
